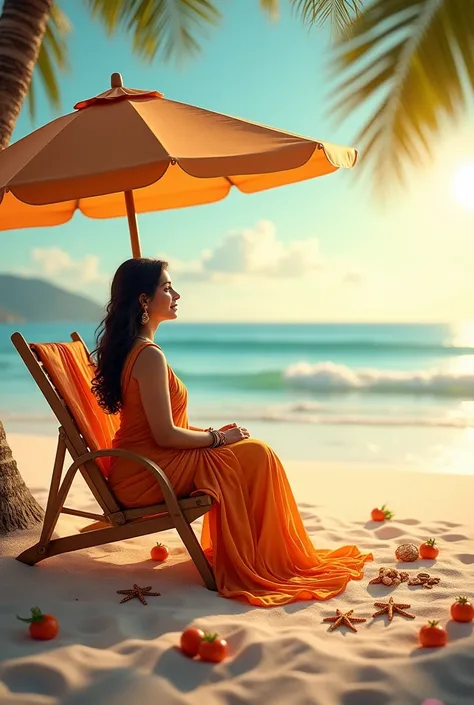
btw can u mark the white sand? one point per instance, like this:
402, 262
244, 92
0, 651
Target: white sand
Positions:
108, 652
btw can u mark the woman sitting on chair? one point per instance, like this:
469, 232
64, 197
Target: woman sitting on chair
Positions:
253, 536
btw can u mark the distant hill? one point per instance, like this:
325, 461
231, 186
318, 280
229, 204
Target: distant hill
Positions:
36, 300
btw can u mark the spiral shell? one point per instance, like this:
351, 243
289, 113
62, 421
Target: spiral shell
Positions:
407, 552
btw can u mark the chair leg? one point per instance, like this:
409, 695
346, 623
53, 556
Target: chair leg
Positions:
190, 540
40, 550
51, 516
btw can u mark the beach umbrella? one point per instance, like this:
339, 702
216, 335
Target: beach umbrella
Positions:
129, 151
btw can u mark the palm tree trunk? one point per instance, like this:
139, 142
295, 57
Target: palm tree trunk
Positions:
18, 508
22, 27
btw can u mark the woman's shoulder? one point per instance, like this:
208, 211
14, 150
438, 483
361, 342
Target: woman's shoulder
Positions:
147, 358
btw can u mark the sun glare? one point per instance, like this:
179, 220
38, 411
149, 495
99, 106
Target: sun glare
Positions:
463, 185
462, 334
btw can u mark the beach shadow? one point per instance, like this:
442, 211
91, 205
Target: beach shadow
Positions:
408, 522
449, 524
37, 678
172, 663
122, 686
454, 537
295, 607
382, 531
466, 558
389, 532
380, 591
459, 630
364, 695
345, 631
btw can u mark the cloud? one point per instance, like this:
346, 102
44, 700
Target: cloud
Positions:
354, 276
252, 252
56, 263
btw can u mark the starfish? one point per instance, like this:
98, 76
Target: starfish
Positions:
137, 592
390, 608
343, 618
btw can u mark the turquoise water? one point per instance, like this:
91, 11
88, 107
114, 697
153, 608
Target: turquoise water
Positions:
373, 392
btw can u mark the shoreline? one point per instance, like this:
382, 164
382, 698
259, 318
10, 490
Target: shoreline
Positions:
425, 450
421, 490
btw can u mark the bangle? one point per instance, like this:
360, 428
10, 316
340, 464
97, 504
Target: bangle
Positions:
219, 438
214, 437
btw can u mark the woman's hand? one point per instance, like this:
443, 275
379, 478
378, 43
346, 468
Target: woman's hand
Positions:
227, 426
234, 433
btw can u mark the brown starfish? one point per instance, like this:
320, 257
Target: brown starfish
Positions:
390, 608
343, 618
137, 592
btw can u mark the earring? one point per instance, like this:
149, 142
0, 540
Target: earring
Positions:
145, 316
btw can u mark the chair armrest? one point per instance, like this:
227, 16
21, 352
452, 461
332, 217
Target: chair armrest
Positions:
166, 487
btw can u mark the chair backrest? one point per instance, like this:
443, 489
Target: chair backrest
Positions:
80, 435
71, 372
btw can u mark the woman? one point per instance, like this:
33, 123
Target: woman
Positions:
253, 536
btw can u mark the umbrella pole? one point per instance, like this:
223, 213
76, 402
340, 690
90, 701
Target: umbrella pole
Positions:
133, 225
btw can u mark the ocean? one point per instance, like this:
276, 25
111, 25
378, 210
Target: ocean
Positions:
388, 394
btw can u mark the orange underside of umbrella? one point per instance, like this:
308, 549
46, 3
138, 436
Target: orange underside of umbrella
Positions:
160, 153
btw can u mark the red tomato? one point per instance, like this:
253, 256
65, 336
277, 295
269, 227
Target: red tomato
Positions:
159, 552
191, 640
462, 610
213, 648
381, 514
433, 634
429, 549
42, 626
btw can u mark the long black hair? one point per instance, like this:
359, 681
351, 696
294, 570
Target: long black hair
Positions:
115, 334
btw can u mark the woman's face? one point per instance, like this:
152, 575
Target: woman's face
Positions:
163, 306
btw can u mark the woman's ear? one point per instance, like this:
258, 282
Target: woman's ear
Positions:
142, 299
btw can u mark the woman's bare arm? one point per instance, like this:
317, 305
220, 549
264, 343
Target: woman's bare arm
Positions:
151, 372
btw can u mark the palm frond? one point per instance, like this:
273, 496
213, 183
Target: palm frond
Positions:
339, 13
416, 57
166, 27
52, 58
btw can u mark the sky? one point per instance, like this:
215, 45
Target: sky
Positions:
323, 250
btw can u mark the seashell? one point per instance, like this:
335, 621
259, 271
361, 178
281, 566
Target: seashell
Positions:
407, 552
387, 581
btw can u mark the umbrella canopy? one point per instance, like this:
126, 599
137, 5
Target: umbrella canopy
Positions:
128, 151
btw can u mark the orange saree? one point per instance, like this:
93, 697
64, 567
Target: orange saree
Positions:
254, 536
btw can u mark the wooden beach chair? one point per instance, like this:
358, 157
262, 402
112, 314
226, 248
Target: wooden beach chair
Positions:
86, 432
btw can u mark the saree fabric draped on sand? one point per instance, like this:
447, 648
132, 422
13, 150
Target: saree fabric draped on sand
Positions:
254, 536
